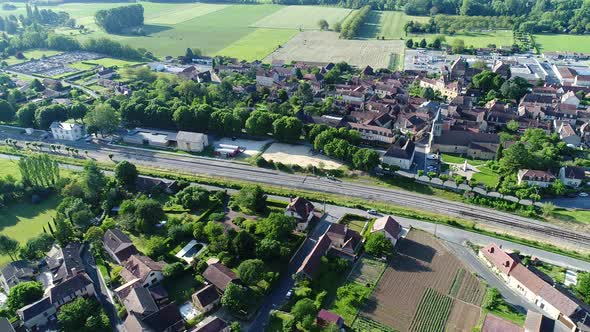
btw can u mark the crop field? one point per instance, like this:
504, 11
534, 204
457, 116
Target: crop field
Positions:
302, 17
432, 313
472, 290
557, 42
430, 276
327, 47
388, 24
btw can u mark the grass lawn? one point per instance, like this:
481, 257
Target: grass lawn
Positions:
303, 17
557, 273
354, 222
8, 167
557, 42
278, 321
110, 62
82, 66
32, 54
182, 287
486, 176
573, 215
398, 182
23, 221
475, 39
456, 159
388, 24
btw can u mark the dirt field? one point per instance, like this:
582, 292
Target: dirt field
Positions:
326, 47
421, 262
298, 155
464, 317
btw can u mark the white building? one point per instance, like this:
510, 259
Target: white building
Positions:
189, 141
67, 131
400, 154
572, 176
533, 177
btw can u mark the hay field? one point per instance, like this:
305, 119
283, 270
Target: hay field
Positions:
302, 17
327, 47
298, 155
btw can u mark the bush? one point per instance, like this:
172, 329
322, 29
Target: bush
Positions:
217, 216
173, 270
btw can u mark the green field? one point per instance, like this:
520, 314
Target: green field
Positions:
387, 24
553, 42
475, 39
29, 55
302, 17
257, 45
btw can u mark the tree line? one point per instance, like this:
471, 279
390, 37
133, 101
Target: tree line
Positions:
352, 25
116, 20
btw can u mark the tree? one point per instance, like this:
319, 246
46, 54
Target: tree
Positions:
236, 298
251, 271
192, 198
548, 209
304, 308
103, 119
277, 226
84, 315
189, 54
77, 111
142, 214
458, 46
36, 85
365, 159
287, 129
251, 198
94, 235
410, 43
126, 174
378, 245
338, 26
24, 293
583, 286
558, 188
512, 126
323, 24
36, 247
173, 270
259, 123
26, 115
39, 170
8, 246
244, 244
7, 113
423, 43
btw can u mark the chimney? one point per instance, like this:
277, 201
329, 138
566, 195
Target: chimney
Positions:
491, 250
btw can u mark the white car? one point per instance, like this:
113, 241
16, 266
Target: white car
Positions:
373, 212
432, 157
583, 194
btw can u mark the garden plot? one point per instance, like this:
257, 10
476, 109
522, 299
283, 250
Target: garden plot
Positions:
316, 46
298, 155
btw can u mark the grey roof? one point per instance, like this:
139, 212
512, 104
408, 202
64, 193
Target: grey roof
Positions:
189, 136
65, 262
210, 324
402, 149
465, 138
219, 275
69, 287
18, 271
36, 308
5, 325
140, 300
119, 243
574, 172
206, 296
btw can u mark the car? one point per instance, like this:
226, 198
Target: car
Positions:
372, 211
289, 294
583, 194
432, 156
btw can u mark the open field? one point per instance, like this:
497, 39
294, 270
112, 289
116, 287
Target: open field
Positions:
327, 47
556, 42
255, 46
302, 17
463, 317
475, 39
388, 24
428, 272
298, 155
573, 215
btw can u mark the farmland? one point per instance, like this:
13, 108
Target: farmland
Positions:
302, 17
556, 42
475, 39
327, 47
435, 285
387, 24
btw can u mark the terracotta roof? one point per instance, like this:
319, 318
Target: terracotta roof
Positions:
526, 277
388, 224
139, 267
536, 175
495, 255
312, 262
219, 275
496, 324
536, 322
301, 206
559, 300
328, 316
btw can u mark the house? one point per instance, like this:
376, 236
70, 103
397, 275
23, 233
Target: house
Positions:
338, 240
302, 210
157, 138
471, 144
326, 318
400, 154
533, 177
105, 73
151, 185
118, 245
206, 299
65, 262
572, 176
493, 323
5, 325
16, 272
570, 98
211, 324
536, 322
140, 270
220, 275
36, 314
145, 314
389, 227
568, 134
67, 131
497, 259
79, 285
373, 133
192, 142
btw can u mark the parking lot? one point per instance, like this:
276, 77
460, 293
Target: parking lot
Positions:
56, 65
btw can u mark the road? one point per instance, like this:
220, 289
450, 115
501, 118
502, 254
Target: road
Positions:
213, 167
63, 81
102, 291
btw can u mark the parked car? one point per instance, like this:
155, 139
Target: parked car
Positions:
289, 294
373, 212
583, 195
432, 156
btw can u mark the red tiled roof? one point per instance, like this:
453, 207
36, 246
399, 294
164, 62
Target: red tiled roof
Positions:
493, 253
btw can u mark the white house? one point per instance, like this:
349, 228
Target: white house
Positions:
389, 227
400, 154
572, 176
67, 131
533, 177
189, 141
